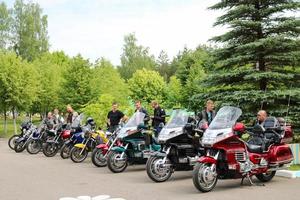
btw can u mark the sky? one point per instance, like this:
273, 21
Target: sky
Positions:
96, 28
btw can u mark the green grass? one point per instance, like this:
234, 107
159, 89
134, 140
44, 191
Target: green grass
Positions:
294, 167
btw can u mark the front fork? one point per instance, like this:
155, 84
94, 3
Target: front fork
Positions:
125, 148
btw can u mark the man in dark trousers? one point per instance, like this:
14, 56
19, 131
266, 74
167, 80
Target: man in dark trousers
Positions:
208, 114
114, 117
158, 117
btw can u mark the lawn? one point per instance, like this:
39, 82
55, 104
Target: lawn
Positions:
294, 167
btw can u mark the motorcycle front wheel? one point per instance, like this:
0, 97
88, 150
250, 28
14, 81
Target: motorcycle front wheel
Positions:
50, 149
204, 178
34, 146
12, 141
158, 170
65, 151
20, 146
78, 155
98, 158
115, 163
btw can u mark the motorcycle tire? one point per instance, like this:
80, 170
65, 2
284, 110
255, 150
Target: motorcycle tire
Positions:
65, 151
20, 146
98, 158
78, 155
34, 146
265, 177
50, 149
12, 141
199, 171
112, 163
155, 174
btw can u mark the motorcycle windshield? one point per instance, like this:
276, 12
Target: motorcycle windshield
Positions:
174, 127
222, 124
77, 121
136, 119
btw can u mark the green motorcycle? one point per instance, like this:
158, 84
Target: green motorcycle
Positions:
135, 145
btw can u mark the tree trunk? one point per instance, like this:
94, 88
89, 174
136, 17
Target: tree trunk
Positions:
14, 118
5, 121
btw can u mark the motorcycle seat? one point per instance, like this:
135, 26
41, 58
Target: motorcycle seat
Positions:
254, 148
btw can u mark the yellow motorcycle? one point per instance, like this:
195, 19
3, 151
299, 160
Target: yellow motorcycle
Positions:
91, 139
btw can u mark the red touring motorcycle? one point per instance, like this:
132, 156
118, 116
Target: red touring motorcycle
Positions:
229, 157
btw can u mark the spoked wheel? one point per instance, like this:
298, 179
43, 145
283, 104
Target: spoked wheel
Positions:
78, 154
265, 177
65, 151
98, 158
50, 149
115, 163
205, 177
12, 141
158, 170
34, 146
20, 146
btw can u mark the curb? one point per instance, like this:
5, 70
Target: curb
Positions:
288, 173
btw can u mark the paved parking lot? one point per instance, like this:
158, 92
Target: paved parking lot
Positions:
35, 177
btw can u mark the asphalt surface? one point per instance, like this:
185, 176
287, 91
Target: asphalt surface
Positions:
36, 177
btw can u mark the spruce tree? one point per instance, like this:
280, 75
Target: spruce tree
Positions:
259, 60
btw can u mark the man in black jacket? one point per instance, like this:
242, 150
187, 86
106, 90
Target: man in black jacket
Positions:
158, 117
138, 107
208, 114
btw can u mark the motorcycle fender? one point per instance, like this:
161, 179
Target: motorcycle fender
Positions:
159, 154
102, 146
118, 149
81, 146
207, 159
68, 142
20, 139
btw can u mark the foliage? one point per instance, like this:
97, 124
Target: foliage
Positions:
147, 85
134, 57
164, 67
5, 25
258, 64
29, 30
76, 88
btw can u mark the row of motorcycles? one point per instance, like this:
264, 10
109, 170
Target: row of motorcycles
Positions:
213, 152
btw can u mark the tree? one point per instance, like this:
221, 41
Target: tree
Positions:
30, 37
76, 88
134, 57
17, 84
174, 96
258, 65
147, 85
107, 80
164, 67
50, 68
5, 24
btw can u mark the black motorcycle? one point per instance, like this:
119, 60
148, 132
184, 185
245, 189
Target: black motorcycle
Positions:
25, 126
180, 147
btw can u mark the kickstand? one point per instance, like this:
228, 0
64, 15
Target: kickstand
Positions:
250, 181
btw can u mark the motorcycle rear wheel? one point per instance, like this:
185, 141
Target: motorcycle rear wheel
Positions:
34, 146
265, 177
113, 164
203, 177
157, 173
78, 155
98, 158
50, 149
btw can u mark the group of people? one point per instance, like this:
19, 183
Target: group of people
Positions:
158, 118
115, 116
